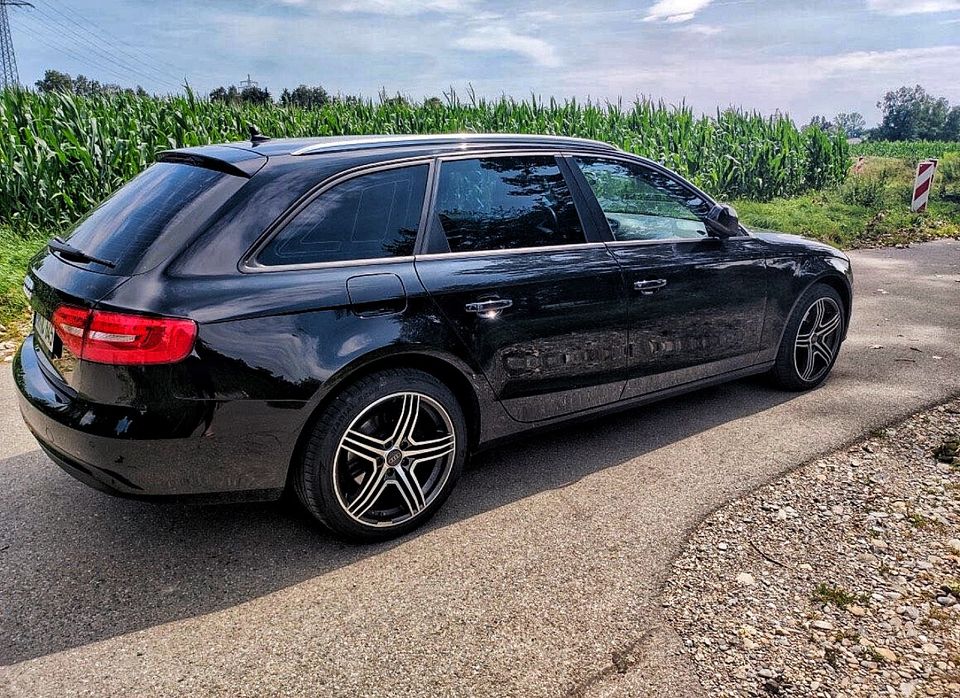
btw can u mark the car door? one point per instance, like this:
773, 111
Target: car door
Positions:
538, 303
696, 302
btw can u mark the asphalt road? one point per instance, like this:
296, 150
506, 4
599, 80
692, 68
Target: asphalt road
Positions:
539, 577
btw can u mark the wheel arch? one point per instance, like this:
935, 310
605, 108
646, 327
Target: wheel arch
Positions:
835, 280
449, 370
841, 285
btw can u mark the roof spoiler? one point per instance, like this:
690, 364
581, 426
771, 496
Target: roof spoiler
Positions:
231, 161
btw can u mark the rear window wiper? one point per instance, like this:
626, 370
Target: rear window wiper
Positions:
69, 252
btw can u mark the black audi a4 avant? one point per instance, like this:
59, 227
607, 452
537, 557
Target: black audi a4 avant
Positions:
350, 317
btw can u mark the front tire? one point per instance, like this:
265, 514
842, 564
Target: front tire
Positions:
811, 340
383, 456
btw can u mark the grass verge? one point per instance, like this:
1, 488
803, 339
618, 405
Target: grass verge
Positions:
16, 249
870, 209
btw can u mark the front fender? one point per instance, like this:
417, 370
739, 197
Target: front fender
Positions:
790, 277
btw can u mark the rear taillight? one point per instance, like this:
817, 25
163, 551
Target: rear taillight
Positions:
122, 338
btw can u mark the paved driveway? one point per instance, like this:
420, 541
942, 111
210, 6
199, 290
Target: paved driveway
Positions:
539, 577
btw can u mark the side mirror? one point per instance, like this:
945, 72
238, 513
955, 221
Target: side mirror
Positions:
723, 221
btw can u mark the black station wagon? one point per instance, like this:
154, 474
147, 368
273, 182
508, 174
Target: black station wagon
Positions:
349, 317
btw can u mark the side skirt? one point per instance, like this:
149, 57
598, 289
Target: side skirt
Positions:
622, 405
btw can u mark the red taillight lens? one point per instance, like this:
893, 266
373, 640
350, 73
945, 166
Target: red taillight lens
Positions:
70, 325
121, 338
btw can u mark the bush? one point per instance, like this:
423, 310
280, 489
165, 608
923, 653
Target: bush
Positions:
868, 190
948, 172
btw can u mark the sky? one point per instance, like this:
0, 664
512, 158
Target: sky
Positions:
804, 57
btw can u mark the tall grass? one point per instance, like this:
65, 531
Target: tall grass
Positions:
62, 154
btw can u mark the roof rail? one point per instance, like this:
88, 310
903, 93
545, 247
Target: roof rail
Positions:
444, 138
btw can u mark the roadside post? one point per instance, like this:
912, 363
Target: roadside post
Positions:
926, 169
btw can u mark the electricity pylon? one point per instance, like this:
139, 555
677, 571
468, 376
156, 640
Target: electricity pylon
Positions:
8, 75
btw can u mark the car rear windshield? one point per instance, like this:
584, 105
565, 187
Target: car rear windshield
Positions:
149, 218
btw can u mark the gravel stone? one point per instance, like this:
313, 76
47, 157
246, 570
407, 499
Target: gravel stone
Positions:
859, 549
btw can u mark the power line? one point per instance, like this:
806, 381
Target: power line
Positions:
70, 34
144, 66
8, 59
117, 40
39, 35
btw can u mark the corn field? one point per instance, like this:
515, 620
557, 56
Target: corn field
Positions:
913, 151
62, 154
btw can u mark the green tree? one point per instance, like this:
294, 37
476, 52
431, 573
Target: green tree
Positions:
821, 122
255, 95
229, 95
951, 126
910, 113
851, 123
55, 81
305, 96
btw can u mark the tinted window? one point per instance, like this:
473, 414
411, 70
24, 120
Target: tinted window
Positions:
373, 215
505, 203
641, 203
167, 199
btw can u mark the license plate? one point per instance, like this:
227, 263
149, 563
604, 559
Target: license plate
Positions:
44, 331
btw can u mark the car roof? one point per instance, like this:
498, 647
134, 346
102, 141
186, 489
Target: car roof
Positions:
432, 142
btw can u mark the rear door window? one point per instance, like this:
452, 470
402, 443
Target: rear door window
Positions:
151, 214
505, 203
369, 216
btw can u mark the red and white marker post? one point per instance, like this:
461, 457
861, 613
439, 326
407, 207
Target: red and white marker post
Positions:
921, 185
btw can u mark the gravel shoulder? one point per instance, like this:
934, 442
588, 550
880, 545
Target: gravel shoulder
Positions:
840, 579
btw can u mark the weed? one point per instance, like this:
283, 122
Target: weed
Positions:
826, 594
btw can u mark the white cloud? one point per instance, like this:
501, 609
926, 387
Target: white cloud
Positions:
501, 38
913, 7
701, 29
894, 61
799, 84
674, 11
403, 7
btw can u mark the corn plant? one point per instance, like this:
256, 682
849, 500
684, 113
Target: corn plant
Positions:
61, 154
912, 151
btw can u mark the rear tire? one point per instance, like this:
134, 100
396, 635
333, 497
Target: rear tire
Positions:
383, 456
811, 340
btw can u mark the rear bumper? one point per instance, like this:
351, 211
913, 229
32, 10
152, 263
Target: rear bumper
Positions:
194, 449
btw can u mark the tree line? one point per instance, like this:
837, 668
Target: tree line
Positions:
908, 113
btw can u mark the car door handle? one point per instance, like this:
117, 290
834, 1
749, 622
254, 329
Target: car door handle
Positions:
488, 308
649, 286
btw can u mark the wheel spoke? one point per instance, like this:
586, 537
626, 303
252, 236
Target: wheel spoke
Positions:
434, 448
409, 413
818, 311
369, 493
804, 340
808, 365
410, 490
823, 351
829, 325
362, 445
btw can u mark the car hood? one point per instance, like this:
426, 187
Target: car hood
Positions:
796, 244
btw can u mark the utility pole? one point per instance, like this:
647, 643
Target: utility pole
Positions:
243, 83
8, 75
